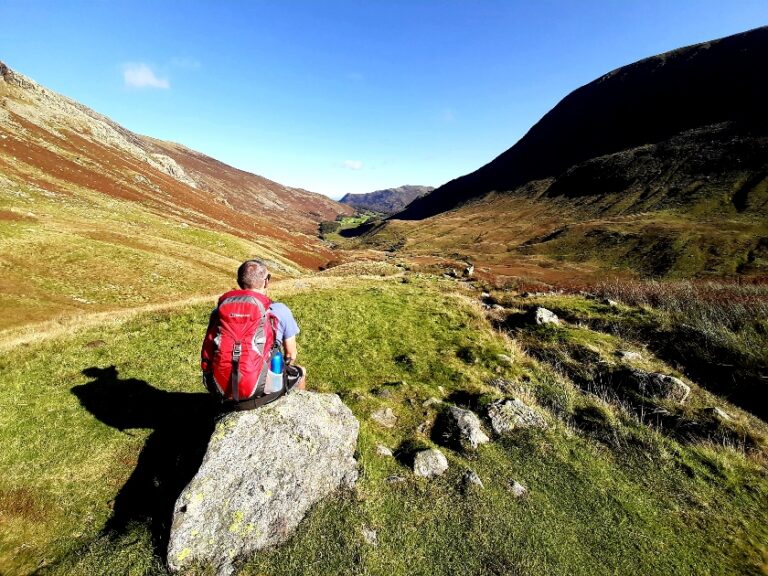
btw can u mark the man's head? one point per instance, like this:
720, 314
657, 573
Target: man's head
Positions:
252, 275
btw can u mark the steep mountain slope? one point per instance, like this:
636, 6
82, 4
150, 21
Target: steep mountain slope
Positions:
387, 201
95, 217
691, 112
659, 168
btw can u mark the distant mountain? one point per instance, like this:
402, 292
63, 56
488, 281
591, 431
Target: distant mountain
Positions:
387, 201
663, 131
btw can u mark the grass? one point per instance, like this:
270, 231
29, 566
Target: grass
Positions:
74, 432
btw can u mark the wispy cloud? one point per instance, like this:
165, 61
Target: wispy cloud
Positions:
139, 75
353, 164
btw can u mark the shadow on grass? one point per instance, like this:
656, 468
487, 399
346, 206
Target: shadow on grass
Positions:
181, 424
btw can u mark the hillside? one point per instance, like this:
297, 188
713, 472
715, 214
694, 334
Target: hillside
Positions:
95, 217
659, 168
387, 201
616, 483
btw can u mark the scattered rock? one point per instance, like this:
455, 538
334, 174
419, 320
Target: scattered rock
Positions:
485, 295
509, 415
543, 316
262, 471
657, 385
469, 270
370, 536
497, 307
431, 402
395, 479
505, 359
471, 479
629, 355
382, 450
609, 302
384, 417
383, 392
517, 489
429, 463
461, 429
719, 413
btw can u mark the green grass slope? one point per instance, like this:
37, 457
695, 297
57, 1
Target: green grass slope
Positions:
608, 494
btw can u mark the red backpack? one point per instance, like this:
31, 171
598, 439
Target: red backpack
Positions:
238, 346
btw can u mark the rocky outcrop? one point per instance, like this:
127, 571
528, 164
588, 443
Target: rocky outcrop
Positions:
459, 428
262, 472
543, 316
509, 415
655, 385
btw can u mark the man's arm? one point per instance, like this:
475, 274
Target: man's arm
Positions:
289, 344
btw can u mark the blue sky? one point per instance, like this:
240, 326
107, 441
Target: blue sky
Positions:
340, 97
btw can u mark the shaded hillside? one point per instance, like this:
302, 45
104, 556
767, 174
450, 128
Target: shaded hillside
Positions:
633, 131
387, 201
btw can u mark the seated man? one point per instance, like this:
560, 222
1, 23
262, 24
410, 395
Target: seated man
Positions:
253, 275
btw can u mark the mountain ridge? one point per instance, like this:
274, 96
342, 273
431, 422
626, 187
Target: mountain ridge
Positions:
387, 200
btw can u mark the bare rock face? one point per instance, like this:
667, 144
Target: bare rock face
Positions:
461, 429
509, 415
262, 472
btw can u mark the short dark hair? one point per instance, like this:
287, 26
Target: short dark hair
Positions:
252, 274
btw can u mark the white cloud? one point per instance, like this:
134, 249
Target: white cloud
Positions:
353, 164
142, 76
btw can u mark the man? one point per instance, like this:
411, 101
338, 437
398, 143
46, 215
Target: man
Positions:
253, 275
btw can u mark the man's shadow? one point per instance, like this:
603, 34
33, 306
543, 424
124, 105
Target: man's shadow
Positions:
181, 424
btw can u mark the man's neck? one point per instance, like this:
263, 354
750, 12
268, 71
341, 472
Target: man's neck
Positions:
262, 291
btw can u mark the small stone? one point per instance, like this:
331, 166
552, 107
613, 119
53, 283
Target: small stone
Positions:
658, 385
431, 402
430, 463
509, 415
385, 417
719, 413
382, 450
497, 307
471, 479
469, 271
629, 355
423, 427
505, 359
609, 302
544, 316
370, 536
517, 489
395, 479
485, 295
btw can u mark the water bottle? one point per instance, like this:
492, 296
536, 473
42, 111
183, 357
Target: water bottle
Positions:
275, 374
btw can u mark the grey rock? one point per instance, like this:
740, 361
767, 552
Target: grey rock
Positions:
431, 402
461, 429
469, 270
517, 489
497, 307
719, 413
370, 536
505, 359
382, 450
485, 295
629, 355
657, 385
509, 415
385, 417
429, 463
609, 302
471, 479
543, 316
395, 479
261, 473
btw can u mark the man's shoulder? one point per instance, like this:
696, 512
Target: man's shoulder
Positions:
279, 307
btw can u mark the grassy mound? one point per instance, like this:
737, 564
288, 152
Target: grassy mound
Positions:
100, 430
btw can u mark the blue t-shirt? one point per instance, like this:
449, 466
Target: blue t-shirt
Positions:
286, 323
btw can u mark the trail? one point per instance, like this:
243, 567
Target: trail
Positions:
64, 325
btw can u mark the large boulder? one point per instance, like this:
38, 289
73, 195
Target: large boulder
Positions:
509, 415
262, 472
540, 315
429, 463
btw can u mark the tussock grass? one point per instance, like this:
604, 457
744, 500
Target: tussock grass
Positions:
647, 505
